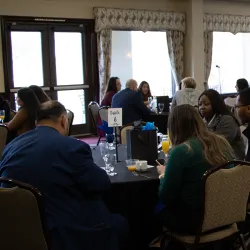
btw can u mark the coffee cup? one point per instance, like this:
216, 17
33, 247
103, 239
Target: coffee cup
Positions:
141, 166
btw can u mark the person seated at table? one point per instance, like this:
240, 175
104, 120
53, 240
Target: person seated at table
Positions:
241, 84
72, 185
24, 120
131, 102
243, 109
40, 94
4, 105
220, 120
195, 150
144, 89
113, 87
188, 93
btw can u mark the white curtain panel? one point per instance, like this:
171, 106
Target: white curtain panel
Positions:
208, 51
175, 41
104, 41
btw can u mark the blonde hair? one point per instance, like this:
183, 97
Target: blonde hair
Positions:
185, 123
188, 82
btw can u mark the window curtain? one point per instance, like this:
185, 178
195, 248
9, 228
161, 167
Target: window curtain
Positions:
175, 41
226, 23
208, 49
104, 43
108, 19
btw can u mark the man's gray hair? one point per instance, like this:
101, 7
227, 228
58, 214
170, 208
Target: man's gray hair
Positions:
132, 84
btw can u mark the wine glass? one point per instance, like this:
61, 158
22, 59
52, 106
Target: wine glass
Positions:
2, 115
112, 162
109, 158
161, 107
105, 154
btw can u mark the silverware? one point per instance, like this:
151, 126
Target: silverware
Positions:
142, 175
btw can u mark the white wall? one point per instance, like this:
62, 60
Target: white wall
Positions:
77, 9
81, 8
84, 9
222, 7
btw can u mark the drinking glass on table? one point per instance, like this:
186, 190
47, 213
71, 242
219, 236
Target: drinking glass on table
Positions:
112, 162
104, 151
165, 143
2, 115
109, 158
161, 107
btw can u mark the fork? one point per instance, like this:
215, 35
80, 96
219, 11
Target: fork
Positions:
142, 175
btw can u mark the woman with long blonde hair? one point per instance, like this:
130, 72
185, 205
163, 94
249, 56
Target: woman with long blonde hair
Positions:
195, 150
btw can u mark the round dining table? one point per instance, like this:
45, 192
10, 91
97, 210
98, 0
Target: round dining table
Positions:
134, 196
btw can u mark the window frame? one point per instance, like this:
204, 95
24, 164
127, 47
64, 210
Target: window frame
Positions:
47, 26
174, 87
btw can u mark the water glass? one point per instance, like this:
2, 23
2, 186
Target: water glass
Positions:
161, 107
109, 158
104, 151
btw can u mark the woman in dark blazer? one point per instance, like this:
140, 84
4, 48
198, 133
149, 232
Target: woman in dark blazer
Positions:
220, 120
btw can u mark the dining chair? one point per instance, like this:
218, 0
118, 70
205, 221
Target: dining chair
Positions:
103, 112
70, 116
3, 137
165, 100
93, 108
224, 204
22, 217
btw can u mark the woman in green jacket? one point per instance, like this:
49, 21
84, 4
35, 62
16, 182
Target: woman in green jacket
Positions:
195, 150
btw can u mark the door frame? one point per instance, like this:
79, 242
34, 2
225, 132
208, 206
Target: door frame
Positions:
90, 61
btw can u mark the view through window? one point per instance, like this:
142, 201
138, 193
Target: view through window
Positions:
58, 56
230, 60
142, 56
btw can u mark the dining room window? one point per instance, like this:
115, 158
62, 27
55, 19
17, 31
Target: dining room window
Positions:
230, 60
142, 56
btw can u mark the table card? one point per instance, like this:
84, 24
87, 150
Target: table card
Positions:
115, 117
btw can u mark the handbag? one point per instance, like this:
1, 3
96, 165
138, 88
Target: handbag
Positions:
142, 145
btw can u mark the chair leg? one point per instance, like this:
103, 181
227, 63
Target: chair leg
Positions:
98, 141
243, 243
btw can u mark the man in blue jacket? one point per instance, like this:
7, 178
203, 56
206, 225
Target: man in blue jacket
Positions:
131, 102
62, 168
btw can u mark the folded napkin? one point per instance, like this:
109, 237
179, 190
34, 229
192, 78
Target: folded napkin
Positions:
106, 128
149, 126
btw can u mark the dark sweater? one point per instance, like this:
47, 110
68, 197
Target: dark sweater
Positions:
246, 132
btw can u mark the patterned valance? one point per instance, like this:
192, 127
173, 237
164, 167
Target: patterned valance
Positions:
143, 20
227, 23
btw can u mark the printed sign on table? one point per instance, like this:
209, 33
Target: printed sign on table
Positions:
115, 117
